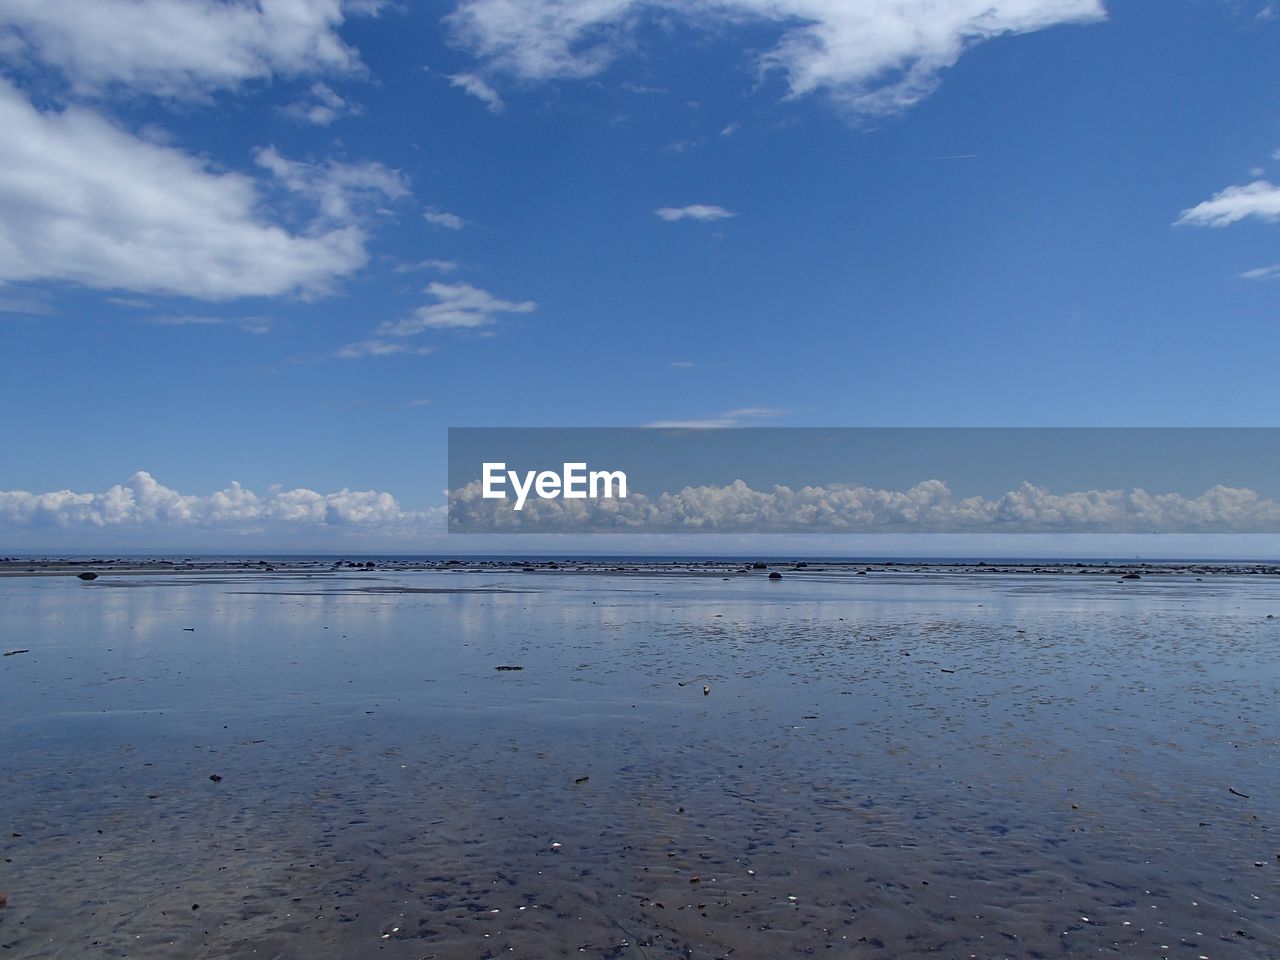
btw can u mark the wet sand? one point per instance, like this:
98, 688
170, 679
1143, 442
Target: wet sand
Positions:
933, 760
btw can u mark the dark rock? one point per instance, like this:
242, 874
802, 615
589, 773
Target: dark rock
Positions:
759, 565
775, 575
87, 575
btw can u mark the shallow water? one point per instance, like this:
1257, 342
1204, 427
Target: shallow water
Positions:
1065, 791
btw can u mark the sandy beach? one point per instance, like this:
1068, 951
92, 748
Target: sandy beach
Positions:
318, 760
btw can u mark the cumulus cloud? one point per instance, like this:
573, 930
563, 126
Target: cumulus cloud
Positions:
928, 507
479, 88
321, 106
695, 211
143, 502
1258, 199
86, 202
179, 48
873, 56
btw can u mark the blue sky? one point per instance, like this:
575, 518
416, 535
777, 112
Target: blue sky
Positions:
292, 242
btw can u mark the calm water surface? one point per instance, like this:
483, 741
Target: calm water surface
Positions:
898, 765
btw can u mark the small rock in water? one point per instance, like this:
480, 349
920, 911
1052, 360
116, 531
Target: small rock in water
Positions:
706, 690
1132, 576
87, 575
216, 778
775, 575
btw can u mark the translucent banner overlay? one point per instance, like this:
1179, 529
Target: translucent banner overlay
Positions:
864, 480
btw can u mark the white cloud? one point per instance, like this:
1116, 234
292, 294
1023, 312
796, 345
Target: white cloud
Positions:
477, 87
873, 56
682, 364
1258, 199
455, 306
440, 266
321, 106
143, 502
744, 416
179, 48
257, 325
25, 306
86, 202
1262, 273
458, 306
695, 211
379, 348
442, 218
341, 192
926, 507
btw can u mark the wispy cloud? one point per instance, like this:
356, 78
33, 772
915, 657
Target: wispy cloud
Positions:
695, 211
873, 57
742, 417
454, 307
476, 86
1262, 273
442, 218
25, 306
440, 266
380, 348
341, 192
321, 106
682, 364
1259, 199
256, 325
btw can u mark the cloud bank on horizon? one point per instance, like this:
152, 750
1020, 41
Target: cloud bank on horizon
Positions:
144, 505
927, 507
